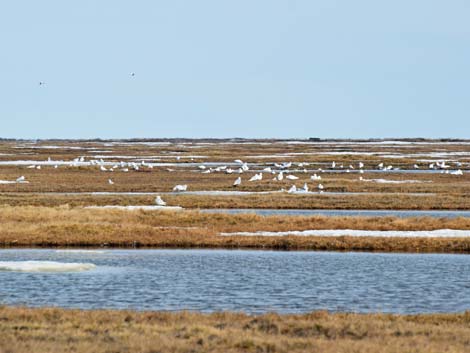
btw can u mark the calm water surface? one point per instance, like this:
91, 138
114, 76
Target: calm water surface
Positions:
355, 213
251, 281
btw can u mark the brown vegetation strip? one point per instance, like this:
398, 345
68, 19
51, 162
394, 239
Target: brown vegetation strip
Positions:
76, 227
24, 330
277, 201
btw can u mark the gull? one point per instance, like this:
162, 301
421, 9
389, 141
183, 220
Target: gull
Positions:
315, 177
256, 177
159, 201
38, 167
202, 167
380, 166
268, 170
125, 170
361, 165
305, 188
292, 189
280, 176
291, 177
178, 158
20, 179
245, 167
320, 187
361, 171
179, 188
351, 166
103, 169
238, 161
237, 182
229, 171
457, 172
110, 182
333, 165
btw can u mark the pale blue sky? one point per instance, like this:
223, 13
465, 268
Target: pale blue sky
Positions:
245, 68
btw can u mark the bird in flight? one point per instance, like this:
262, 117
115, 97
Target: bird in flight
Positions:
42, 83
133, 74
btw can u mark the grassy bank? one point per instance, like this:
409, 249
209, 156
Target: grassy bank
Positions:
55, 330
276, 201
78, 227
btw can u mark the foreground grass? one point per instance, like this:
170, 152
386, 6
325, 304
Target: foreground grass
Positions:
56, 330
77, 227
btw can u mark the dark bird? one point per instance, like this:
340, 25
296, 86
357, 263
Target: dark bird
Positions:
41, 83
133, 74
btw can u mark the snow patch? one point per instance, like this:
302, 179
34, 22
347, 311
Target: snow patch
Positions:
438, 233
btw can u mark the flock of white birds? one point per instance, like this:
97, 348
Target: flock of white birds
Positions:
278, 172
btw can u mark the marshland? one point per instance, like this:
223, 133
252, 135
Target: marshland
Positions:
99, 211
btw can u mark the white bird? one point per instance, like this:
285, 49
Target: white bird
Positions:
416, 166
256, 177
38, 167
361, 165
238, 181
238, 161
110, 182
268, 170
159, 201
333, 165
361, 171
103, 169
315, 177
202, 167
280, 176
20, 179
380, 166
457, 172
305, 188
320, 187
245, 167
208, 171
292, 189
291, 177
179, 188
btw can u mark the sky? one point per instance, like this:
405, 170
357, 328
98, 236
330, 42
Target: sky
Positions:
244, 68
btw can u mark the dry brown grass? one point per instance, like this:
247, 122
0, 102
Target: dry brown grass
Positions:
24, 330
64, 226
276, 201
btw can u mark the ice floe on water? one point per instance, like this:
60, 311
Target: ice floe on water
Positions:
44, 266
438, 233
389, 181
